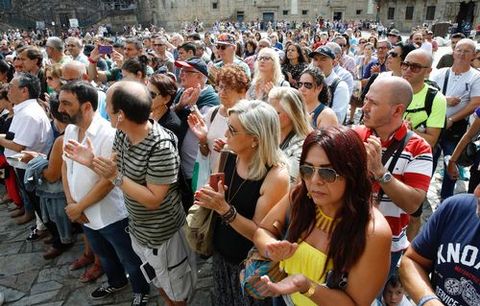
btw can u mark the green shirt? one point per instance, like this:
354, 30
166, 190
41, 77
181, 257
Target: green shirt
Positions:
439, 109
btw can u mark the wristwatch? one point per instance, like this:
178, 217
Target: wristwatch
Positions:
118, 180
311, 289
385, 178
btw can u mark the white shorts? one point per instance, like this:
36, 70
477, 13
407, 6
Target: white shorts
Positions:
174, 264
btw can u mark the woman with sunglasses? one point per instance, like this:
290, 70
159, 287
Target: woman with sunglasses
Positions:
316, 96
255, 179
163, 90
326, 234
267, 74
294, 125
293, 64
395, 58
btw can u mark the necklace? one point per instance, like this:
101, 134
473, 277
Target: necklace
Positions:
230, 198
324, 222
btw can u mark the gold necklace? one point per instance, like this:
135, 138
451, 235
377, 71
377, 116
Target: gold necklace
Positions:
324, 222
230, 198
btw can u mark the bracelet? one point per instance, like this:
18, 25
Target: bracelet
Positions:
91, 60
230, 215
427, 298
203, 145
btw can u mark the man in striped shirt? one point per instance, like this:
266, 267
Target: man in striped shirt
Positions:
401, 187
145, 167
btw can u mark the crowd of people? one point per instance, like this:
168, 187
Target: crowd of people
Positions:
105, 136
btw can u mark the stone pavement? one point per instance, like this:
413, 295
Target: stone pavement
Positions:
28, 279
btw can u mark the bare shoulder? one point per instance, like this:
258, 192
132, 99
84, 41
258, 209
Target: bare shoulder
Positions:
378, 226
276, 178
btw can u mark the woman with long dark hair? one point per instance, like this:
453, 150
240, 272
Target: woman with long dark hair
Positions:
337, 246
293, 64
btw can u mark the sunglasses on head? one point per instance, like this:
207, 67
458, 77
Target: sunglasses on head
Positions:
393, 54
327, 175
414, 67
308, 85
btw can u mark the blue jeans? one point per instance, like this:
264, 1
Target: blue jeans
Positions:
448, 185
114, 247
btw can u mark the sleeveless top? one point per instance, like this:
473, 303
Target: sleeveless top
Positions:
315, 113
243, 195
296, 264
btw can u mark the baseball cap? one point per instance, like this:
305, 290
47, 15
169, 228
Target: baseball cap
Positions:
195, 63
226, 39
394, 32
325, 51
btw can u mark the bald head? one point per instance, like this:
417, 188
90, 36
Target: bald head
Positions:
398, 89
132, 99
74, 71
425, 58
466, 43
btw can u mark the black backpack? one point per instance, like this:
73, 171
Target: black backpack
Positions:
427, 107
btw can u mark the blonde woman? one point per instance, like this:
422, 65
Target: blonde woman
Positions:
256, 178
294, 125
267, 74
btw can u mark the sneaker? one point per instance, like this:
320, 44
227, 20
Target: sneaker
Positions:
102, 292
140, 299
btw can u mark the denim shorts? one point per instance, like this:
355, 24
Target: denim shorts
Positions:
174, 265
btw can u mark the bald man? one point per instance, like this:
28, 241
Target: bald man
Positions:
77, 71
399, 160
146, 169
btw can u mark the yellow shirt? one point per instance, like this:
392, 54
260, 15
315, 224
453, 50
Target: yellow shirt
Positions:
310, 262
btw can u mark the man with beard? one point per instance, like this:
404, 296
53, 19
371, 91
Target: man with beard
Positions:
93, 200
399, 160
441, 265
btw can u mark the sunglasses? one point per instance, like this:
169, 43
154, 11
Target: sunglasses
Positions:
414, 67
264, 58
308, 85
362, 42
154, 94
221, 47
158, 45
327, 175
393, 54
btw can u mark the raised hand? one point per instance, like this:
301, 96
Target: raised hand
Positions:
218, 144
374, 156
105, 167
280, 250
211, 199
198, 126
82, 154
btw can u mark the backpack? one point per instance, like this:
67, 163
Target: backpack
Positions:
332, 88
427, 106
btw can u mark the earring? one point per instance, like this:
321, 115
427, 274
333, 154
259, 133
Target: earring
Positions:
309, 195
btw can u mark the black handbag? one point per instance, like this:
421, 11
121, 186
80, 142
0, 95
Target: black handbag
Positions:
467, 157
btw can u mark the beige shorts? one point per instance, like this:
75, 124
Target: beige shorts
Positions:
174, 264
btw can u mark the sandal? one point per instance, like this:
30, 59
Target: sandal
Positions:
91, 274
36, 234
81, 262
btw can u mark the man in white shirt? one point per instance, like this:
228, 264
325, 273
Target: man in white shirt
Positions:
30, 130
93, 200
323, 58
75, 48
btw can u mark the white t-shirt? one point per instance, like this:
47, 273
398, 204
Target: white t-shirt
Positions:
216, 129
81, 179
341, 97
31, 127
465, 86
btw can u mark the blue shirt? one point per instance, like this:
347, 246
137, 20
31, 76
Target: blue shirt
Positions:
451, 240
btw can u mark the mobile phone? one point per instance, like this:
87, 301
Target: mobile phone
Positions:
215, 178
105, 49
148, 272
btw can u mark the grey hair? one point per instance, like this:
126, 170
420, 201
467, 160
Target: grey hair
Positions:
55, 42
292, 103
260, 120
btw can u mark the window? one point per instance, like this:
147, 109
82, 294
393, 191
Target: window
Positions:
304, 12
409, 13
391, 13
285, 12
359, 12
430, 13
214, 5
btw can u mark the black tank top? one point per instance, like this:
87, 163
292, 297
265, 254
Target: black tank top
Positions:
243, 195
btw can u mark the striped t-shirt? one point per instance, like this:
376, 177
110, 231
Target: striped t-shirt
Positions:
154, 160
413, 168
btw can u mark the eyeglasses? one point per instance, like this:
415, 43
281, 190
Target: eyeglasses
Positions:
221, 47
362, 42
158, 45
393, 54
414, 67
308, 85
264, 58
70, 46
461, 51
327, 175
153, 94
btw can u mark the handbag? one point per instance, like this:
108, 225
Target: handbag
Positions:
201, 171
468, 155
257, 266
200, 224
